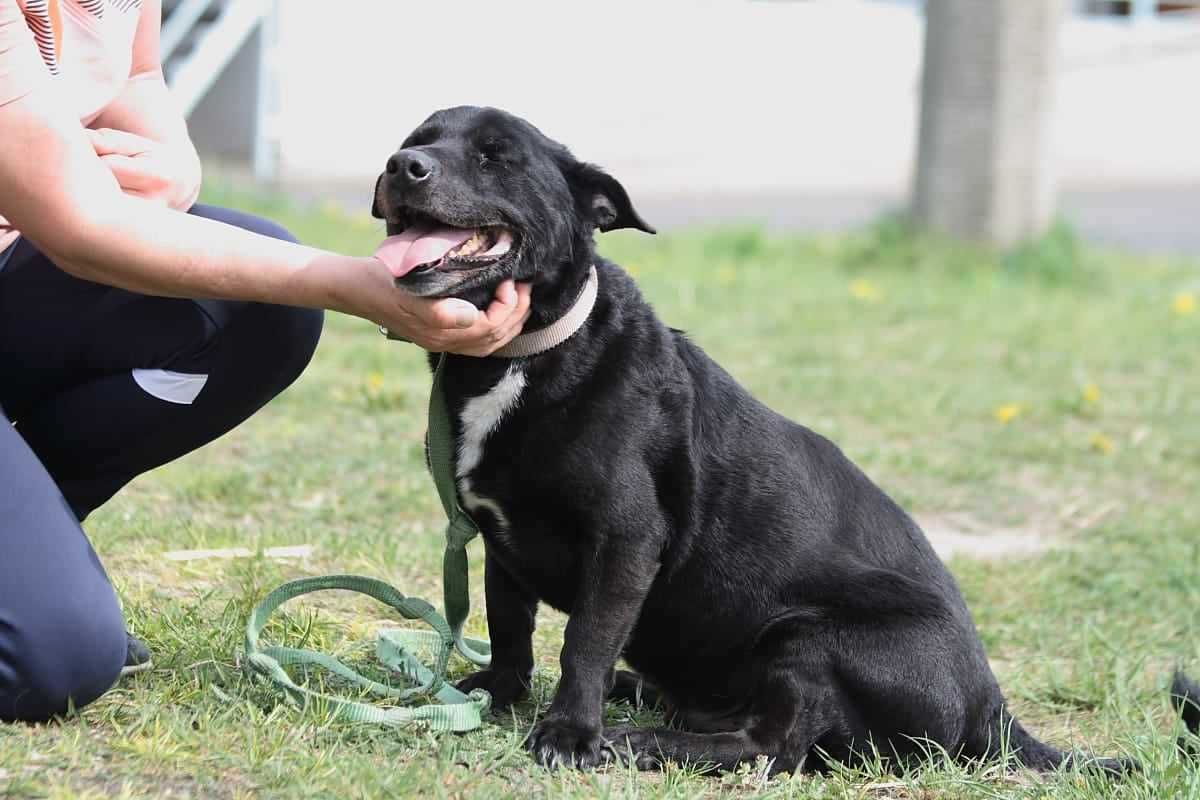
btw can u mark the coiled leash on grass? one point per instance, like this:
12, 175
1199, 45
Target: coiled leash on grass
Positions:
453, 710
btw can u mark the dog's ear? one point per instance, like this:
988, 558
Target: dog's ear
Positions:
603, 199
375, 211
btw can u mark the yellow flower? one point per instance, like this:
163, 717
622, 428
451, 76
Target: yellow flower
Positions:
1091, 394
1008, 412
375, 381
726, 275
632, 269
361, 629
866, 291
1184, 303
1102, 443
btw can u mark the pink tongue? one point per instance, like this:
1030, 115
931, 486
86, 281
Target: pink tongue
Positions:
419, 245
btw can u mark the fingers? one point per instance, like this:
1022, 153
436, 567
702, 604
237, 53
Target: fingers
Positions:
137, 174
512, 302
445, 315
439, 324
110, 141
505, 317
101, 142
515, 315
122, 166
504, 304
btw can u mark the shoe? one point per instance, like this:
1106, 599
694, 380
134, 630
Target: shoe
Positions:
137, 656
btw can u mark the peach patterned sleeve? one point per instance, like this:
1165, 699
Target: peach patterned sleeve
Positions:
21, 66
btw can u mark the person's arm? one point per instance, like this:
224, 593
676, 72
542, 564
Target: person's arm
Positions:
142, 135
60, 195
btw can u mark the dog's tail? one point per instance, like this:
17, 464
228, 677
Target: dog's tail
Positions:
1037, 755
1185, 696
1009, 737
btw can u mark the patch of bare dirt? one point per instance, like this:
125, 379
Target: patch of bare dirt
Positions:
960, 535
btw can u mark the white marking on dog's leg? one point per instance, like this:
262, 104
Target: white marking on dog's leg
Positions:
475, 502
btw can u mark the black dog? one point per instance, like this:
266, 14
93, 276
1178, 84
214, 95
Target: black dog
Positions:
780, 603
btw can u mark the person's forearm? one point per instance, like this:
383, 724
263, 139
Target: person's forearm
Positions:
141, 246
63, 199
61, 195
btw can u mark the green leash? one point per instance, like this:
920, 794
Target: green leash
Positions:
453, 711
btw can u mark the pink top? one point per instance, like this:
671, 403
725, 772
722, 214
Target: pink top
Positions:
84, 48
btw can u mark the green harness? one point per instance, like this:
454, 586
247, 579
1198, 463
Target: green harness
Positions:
453, 710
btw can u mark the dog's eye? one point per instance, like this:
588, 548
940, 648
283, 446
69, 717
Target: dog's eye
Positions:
490, 150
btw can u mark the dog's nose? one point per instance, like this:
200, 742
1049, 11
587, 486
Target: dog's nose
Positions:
411, 166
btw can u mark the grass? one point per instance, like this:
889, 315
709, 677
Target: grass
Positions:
1054, 390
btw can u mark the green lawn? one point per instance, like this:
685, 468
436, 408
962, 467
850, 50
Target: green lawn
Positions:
1054, 392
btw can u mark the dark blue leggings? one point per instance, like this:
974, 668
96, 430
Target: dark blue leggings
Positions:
102, 385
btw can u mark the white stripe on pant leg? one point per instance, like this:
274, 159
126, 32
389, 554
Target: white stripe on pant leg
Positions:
174, 387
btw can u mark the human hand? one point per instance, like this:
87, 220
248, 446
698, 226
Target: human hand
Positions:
149, 169
367, 289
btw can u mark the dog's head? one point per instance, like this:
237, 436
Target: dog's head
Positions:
476, 195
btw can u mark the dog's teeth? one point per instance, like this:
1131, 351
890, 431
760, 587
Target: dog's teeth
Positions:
471, 246
481, 240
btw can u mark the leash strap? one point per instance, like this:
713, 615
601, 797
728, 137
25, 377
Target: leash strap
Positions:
460, 529
453, 711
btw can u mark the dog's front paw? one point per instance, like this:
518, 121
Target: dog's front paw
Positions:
562, 743
505, 686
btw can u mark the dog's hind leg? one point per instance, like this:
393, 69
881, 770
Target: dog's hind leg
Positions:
790, 715
633, 689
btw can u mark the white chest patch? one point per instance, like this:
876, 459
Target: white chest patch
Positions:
479, 418
482, 414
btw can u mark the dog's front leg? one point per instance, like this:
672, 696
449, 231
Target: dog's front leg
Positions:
511, 611
613, 585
